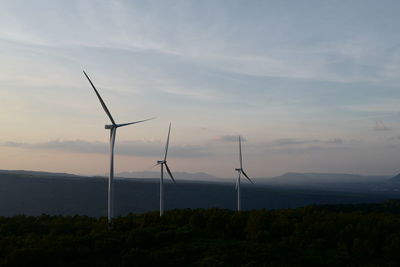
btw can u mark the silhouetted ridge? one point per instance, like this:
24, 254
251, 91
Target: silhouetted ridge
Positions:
293, 176
37, 173
69, 195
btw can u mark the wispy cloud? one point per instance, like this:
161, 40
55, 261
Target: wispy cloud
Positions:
298, 145
303, 149
297, 141
128, 148
334, 141
293, 141
229, 138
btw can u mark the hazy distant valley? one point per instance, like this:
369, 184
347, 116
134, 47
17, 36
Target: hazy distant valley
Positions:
319, 181
335, 182
34, 193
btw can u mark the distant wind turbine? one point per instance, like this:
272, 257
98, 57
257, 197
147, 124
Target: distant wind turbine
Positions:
113, 131
240, 171
162, 163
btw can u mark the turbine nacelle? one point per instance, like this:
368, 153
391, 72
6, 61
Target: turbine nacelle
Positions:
163, 164
240, 171
112, 126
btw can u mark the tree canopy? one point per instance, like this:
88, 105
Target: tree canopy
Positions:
331, 235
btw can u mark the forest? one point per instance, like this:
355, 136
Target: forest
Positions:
325, 235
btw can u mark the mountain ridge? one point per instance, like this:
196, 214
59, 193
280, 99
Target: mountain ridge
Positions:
70, 195
311, 177
295, 178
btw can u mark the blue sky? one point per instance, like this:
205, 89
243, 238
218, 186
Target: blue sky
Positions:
311, 85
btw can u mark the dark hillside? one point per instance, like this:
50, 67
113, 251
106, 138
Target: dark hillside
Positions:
32, 194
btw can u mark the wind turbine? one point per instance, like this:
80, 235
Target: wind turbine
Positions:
240, 171
162, 163
113, 131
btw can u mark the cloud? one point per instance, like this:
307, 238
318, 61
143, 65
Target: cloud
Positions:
229, 138
300, 142
335, 141
380, 126
306, 149
298, 145
127, 148
293, 141
394, 138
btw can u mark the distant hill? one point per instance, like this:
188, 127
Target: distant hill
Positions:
37, 173
33, 194
199, 176
395, 178
292, 178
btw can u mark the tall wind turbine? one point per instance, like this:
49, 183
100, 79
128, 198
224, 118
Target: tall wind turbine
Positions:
240, 171
113, 131
162, 163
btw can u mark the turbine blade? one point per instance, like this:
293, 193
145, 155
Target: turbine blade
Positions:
129, 123
240, 153
169, 172
167, 144
154, 166
247, 176
101, 100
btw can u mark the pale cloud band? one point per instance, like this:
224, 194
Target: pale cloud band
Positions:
127, 148
294, 141
229, 138
155, 148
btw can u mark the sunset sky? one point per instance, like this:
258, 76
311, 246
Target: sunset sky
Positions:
312, 86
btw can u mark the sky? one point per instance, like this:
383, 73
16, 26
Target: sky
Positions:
311, 86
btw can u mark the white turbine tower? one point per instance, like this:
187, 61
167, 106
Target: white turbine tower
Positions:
240, 171
113, 131
162, 163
